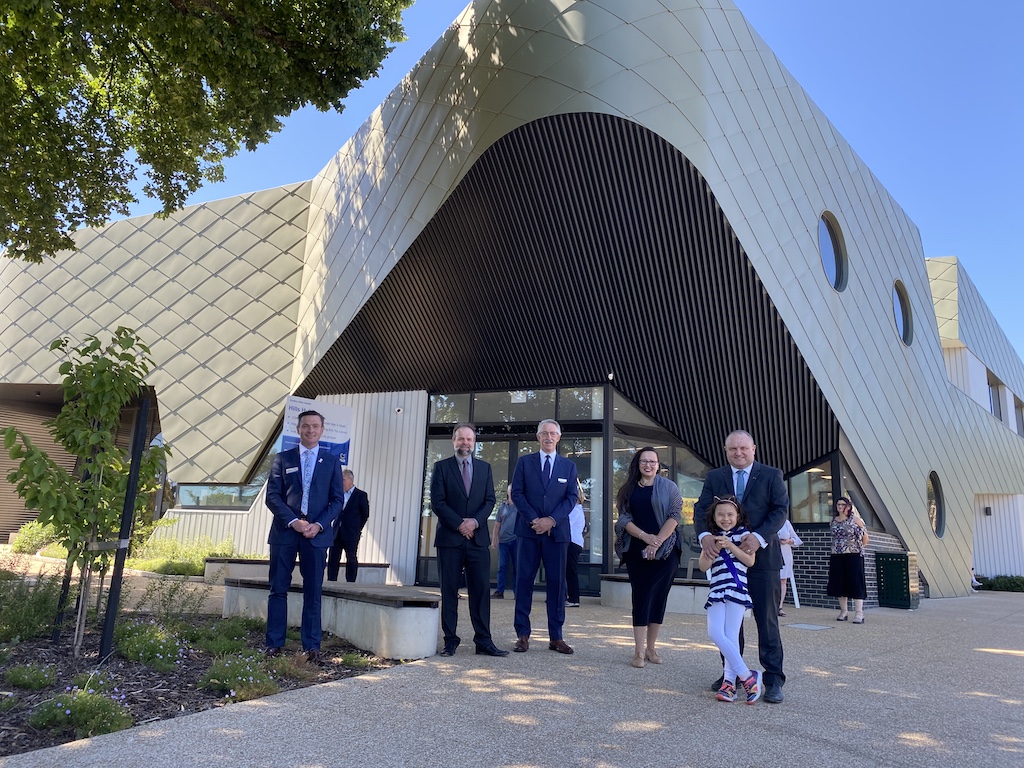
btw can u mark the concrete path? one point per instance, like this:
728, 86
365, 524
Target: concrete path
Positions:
939, 686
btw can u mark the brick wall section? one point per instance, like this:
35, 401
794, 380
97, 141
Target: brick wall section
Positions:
810, 566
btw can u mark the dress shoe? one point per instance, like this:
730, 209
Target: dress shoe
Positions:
496, 595
773, 693
652, 656
490, 650
559, 645
272, 652
859, 618
449, 648
522, 644
314, 657
842, 617
781, 612
638, 661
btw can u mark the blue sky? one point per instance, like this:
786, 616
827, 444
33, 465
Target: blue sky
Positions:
927, 92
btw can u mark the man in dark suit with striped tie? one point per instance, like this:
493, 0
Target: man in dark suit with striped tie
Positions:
462, 498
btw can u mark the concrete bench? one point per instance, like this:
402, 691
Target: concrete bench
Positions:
220, 568
390, 621
686, 595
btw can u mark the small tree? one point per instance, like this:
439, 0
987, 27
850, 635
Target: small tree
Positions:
85, 508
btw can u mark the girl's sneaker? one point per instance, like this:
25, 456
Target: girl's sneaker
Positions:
752, 685
727, 692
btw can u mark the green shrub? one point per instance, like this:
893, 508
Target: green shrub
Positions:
96, 681
1003, 583
32, 677
54, 550
239, 677
32, 537
150, 643
8, 701
355, 660
291, 667
90, 714
28, 606
174, 558
174, 598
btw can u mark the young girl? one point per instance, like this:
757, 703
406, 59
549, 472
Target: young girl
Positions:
728, 599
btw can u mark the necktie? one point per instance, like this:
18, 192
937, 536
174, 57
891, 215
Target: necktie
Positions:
465, 475
741, 483
547, 470
307, 476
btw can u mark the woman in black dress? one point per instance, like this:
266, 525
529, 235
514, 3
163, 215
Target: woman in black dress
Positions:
846, 565
650, 507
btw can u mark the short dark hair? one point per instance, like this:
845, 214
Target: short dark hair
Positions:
463, 425
304, 414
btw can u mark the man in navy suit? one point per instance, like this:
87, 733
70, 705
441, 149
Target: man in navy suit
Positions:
544, 492
762, 492
305, 494
354, 513
462, 497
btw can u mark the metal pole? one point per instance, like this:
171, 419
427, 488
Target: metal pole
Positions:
131, 491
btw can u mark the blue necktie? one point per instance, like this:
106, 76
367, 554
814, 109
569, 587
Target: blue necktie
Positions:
547, 470
741, 483
307, 476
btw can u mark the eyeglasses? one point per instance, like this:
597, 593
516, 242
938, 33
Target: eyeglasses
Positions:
647, 463
549, 434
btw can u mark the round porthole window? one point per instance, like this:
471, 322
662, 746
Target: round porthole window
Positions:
936, 508
902, 314
832, 250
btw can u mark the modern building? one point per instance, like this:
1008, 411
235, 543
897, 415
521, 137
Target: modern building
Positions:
627, 216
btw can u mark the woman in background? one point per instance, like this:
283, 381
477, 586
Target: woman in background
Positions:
787, 540
846, 565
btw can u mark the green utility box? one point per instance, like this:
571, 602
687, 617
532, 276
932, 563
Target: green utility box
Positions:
898, 585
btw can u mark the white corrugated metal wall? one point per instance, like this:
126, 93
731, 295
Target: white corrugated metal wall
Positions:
389, 432
999, 536
389, 436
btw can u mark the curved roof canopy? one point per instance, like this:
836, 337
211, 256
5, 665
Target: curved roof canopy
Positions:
581, 246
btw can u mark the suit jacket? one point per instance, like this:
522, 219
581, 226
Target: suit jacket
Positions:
354, 515
284, 496
533, 499
765, 500
448, 500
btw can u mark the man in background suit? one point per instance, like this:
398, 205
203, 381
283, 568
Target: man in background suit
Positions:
762, 492
462, 497
305, 494
544, 492
354, 514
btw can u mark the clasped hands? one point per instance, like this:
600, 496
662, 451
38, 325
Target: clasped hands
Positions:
468, 527
306, 528
653, 542
542, 525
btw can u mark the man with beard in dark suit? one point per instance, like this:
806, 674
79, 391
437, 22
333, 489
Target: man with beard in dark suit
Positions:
462, 497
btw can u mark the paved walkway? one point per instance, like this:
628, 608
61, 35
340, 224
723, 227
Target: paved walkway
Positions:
939, 686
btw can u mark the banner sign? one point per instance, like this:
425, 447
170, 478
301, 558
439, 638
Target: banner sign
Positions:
337, 437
